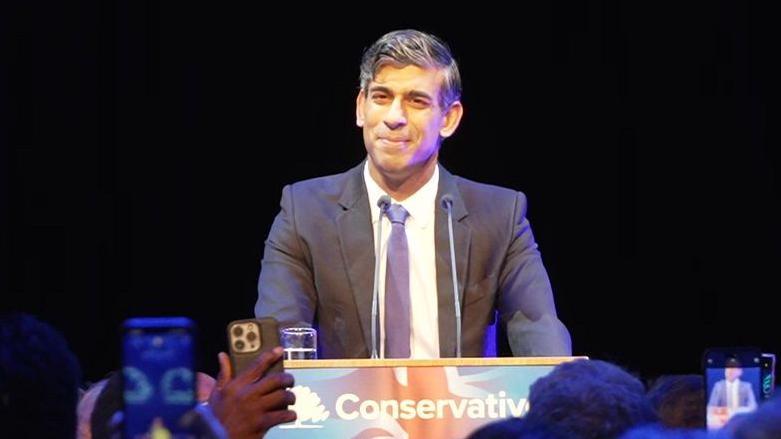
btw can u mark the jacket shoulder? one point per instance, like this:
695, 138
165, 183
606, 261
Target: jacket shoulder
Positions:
324, 188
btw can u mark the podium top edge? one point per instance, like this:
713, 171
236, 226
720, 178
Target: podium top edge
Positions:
368, 362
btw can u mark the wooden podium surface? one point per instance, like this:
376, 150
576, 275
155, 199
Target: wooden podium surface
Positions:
442, 398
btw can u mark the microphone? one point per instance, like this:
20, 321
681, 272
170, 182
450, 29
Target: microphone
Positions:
383, 204
447, 204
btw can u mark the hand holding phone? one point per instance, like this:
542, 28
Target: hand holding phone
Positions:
248, 404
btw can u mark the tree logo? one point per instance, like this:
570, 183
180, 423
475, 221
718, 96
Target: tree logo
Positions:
307, 408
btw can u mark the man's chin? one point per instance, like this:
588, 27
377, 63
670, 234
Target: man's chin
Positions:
397, 168
391, 166
395, 172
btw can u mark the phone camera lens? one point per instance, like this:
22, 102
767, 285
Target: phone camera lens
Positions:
237, 331
239, 345
251, 336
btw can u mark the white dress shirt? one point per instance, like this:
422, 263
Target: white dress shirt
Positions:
733, 398
424, 333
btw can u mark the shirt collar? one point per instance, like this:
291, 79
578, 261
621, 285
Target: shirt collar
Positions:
420, 205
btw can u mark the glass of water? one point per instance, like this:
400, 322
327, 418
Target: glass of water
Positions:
299, 343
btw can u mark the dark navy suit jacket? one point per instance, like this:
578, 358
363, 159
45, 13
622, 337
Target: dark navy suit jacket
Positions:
318, 268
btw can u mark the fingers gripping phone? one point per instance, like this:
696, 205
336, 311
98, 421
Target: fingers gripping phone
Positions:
248, 339
158, 376
733, 383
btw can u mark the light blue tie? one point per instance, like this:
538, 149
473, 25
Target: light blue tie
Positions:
397, 299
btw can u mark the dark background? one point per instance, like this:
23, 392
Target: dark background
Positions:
145, 146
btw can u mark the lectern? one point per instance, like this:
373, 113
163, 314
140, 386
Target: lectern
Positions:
444, 398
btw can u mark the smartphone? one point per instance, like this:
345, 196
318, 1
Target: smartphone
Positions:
768, 380
158, 376
248, 338
733, 383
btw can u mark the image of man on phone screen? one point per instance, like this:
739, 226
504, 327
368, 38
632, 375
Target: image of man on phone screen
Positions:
728, 397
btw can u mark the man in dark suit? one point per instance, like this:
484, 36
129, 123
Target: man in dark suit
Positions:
319, 262
729, 397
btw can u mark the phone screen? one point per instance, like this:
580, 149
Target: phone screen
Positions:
158, 378
733, 386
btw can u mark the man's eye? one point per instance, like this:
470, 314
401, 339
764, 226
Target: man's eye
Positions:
380, 97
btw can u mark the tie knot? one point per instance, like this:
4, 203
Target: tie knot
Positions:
397, 214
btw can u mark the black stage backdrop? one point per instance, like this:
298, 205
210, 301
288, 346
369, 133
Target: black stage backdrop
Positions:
145, 146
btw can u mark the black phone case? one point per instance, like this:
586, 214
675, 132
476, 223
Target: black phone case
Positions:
720, 357
269, 339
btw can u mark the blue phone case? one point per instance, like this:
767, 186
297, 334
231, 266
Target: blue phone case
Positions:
158, 375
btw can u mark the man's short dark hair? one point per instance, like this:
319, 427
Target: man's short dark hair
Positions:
514, 428
39, 379
413, 47
679, 400
590, 399
764, 423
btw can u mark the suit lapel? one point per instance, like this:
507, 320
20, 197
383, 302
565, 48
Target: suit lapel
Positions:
357, 246
462, 235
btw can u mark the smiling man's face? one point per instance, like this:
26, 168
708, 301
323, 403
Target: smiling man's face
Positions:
402, 120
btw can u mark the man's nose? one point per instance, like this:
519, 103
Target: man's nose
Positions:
396, 115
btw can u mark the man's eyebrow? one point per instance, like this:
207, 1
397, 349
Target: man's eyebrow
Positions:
380, 88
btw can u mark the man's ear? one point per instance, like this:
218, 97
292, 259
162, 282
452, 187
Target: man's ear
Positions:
360, 101
452, 119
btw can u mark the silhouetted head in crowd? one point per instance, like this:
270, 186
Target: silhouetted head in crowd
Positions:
85, 408
519, 428
39, 380
509, 428
679, 400
107, 404
590, 399
659, 432
764, 423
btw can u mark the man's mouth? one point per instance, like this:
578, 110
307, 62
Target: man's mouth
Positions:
395, 139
